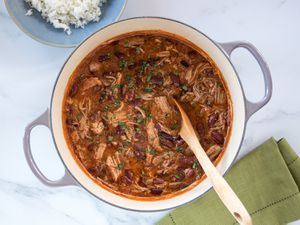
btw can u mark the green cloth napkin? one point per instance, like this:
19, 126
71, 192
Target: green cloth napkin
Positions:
267, 181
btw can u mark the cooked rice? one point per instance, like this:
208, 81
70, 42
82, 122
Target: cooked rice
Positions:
63, 14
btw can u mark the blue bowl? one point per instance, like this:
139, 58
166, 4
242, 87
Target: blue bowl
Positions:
37, 27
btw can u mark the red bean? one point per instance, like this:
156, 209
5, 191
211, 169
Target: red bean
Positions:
167, 143
217, 137
192, 54
164, 135
115, 42
158, 180
129, 174
156, 191
189, 172
175, 79
103, 58
212, 119
184, 63
200, 128
131, 66
186, 161
158, 80
73, 91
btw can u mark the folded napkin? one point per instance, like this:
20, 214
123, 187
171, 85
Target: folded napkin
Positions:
267, 181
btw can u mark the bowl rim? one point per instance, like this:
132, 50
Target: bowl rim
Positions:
239, 82
53, 44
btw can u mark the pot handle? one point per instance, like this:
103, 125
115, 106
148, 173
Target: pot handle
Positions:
67, 179
252, 107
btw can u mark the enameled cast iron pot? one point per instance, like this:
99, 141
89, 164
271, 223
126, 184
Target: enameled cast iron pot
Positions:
219, 53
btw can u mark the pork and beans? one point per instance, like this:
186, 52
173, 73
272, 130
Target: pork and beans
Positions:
120, 121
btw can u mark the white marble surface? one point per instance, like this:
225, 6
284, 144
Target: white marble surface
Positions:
28, 70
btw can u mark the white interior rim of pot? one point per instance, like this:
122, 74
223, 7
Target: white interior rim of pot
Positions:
149, 23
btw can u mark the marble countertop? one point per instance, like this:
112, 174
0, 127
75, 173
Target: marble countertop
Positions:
28, 70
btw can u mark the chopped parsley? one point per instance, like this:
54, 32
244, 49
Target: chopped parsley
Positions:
149, 116
137, 50
195, 164
184, 87
110, 138
143, 67
138, 130
148, 89
174, 126
117, 103
122, 125
179, 149
120, 166
149, 76
122, 64
78, 116
126, 44
151, 151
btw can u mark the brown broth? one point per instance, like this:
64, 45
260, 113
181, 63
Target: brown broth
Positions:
122, 126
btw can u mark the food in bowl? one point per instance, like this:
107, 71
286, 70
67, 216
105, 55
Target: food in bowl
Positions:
63, 14
121, 124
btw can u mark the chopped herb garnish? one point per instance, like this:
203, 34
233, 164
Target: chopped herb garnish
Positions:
106, 108
177, 176
117, 103
116, 86
110, 138
78, 116
152, 139
184, 87
149, 76
126, 44
148, 89
120, 166
122, 64
143, 67
151, 151
179, 149
195, 164
137, 50
122, 125
174, 126
149, 116
140, 120
138, 130
97, 142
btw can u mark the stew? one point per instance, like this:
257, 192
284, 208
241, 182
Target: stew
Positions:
120, 121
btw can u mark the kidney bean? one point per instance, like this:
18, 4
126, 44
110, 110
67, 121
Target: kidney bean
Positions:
158, 180
164, 135
129, 174
73, 90
189, 172
200, 128
186, 161
90, 147
131, 66
167, 143
69, 121
175, 79
157, 127
217, 137
103, 58
130, 95
192, 54
158, 80
156, 191
212, 119
116, 42
138, 81
184, 63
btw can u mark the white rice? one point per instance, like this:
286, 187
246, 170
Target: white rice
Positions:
64, 13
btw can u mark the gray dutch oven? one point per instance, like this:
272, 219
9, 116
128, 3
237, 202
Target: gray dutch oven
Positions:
219, 53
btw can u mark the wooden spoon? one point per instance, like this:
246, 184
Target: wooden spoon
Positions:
226, 194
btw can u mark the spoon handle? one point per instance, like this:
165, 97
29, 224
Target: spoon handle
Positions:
226, 194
